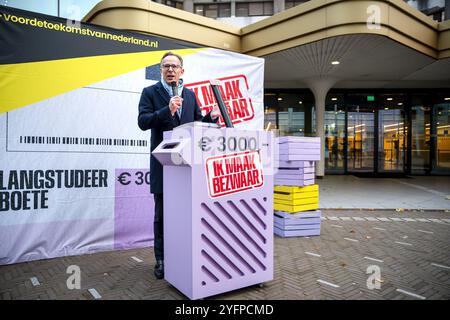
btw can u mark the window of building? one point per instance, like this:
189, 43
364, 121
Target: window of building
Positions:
392, 133
289, 113
437, 13
49, 7
69, 9
213, 10
361, 128
173, 3
441, 128
334, 130
248, 9
270, 111
291, 4
420, 135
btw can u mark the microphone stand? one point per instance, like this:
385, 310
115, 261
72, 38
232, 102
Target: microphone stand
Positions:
222, 107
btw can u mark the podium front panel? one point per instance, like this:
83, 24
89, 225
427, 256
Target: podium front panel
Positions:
218, 208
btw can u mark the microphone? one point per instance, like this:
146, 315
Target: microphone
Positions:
174, 88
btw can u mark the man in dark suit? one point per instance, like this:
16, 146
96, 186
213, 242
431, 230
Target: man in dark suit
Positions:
160, 110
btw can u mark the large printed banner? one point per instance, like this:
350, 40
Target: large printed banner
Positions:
74, 169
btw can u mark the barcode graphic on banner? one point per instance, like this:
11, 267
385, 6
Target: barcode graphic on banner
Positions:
82, 141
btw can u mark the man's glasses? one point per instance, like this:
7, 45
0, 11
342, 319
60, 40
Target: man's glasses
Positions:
173, 66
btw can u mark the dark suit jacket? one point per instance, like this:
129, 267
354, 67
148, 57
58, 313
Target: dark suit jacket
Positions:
154, 114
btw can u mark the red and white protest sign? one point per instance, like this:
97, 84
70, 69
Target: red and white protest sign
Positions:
235, 94
234, 173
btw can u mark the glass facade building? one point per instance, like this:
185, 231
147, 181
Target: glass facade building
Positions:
370, 131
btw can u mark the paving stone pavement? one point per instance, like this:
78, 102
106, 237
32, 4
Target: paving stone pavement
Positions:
410, 250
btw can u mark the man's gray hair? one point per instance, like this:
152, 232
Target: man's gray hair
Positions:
170, 53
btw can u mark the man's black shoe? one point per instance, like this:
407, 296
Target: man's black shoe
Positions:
159, 269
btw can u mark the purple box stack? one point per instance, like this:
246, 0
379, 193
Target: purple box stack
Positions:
295, 162
294, 173
298, 148
294, 158
301, 224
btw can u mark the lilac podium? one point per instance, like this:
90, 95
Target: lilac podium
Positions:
218, 208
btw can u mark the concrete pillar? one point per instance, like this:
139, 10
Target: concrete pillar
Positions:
320, 87
233, 8
278, 6
188, 5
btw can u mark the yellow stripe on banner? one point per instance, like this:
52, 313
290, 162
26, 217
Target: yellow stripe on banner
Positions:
297, 201
296, 196
289, 189
22, 84
294, 209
